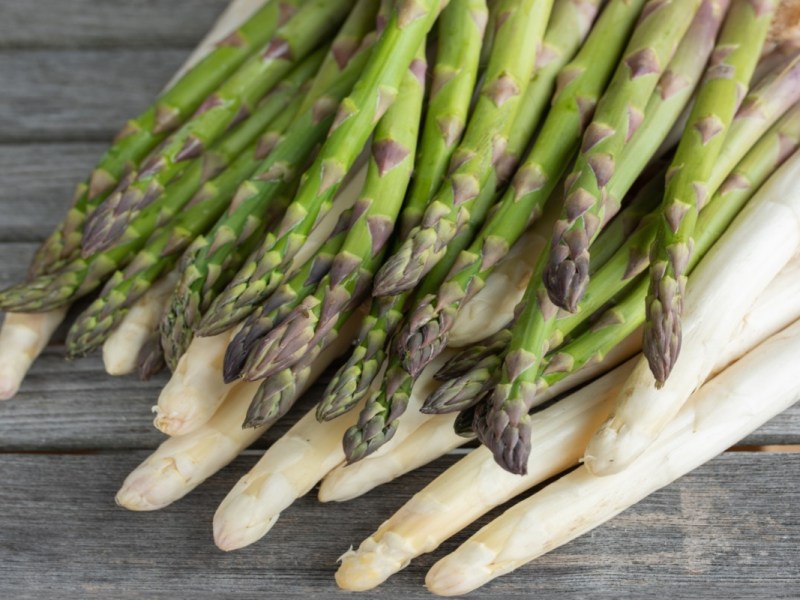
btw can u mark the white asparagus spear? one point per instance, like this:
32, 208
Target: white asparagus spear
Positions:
751, 252
288, 470
739, 400
196, 388
23, 336
183, 462
121, 349
475, 485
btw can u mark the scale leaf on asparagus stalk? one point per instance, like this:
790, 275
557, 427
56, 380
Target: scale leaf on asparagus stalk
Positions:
410, 22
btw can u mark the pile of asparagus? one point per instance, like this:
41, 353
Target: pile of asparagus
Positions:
481, 207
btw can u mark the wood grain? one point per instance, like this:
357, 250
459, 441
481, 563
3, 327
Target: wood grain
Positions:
78, 95
36, 186
98, 23
728, 530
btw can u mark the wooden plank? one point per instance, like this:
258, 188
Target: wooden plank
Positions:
78, 95
36, 186
95, 23
729, 529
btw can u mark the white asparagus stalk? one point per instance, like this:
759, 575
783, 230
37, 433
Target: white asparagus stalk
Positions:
434, 437
777, 308
197, 388
739, 400
182, 463
288, 470
22, 339
121, 349
753, 250
23, 336
476, 484
492, 308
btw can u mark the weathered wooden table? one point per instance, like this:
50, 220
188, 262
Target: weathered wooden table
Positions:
71, 71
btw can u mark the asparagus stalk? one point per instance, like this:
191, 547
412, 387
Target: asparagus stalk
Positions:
760, 241
236, 38
482, 149
203, 275
379, 419
284, 300
354, 378
233, 101
22, 339
717, 99
233, 162
416, 529
618, 115
183, 462
740, 399
121, 349
288, 470
454, 75
150, 361
617, 323
347, 282
355, 121
538, 315
774, 310
196, 388
162, 253
24, 336
582, 81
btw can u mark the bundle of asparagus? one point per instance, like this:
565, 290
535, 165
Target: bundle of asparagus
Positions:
573, 183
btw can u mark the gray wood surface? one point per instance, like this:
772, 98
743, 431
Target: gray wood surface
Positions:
728, 530
101, 23
72, 72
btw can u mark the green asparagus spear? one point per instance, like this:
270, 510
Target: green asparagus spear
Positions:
203, 277
582, 82
373, 94
482, 150
375, 214
161, 253
618, 115
231, 103
80, 276
454, 77
143, 133
726, 82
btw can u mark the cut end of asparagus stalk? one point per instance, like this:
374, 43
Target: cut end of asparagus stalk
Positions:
464, 570
22, 339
